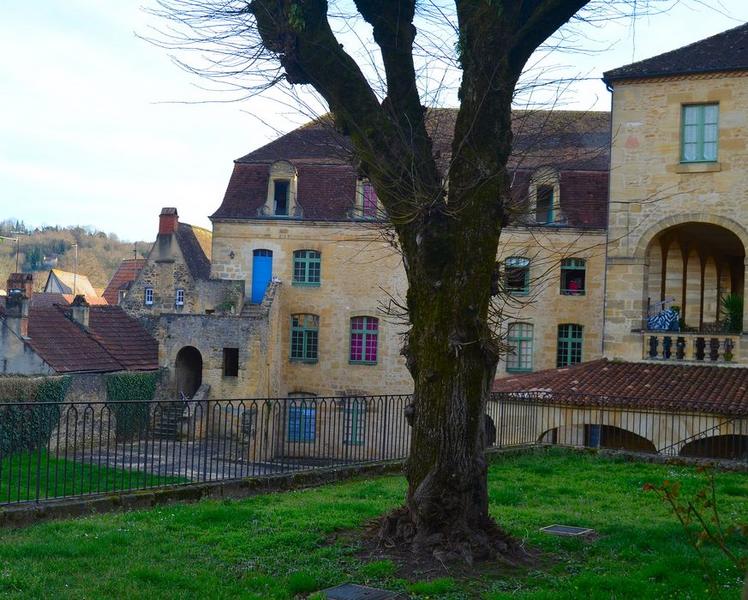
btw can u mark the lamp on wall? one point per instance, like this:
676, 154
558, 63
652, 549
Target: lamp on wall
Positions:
231, 254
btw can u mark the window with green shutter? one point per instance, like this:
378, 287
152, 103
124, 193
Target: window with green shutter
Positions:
569, 348
517, 275
573, 276
519, 339
306, 267
304, 338
699, 132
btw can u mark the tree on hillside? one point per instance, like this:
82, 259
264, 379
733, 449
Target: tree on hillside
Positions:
448, 233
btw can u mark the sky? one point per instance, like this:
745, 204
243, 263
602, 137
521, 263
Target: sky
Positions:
99, 127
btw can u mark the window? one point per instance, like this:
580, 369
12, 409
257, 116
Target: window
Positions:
544, 204
148, 298
517, 274
700, 133
573, 272
569, 351
364, 334
367, 205
302, 421
121, 294
280, 196
519, 338
231, 362
306, 267
180, 297
355, 421
304, 338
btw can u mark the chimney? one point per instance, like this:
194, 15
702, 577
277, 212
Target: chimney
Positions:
20, 288
80, 310
168, 221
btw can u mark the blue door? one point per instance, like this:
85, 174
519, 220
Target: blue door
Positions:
262, 271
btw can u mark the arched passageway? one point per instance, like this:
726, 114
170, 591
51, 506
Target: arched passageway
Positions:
692, 266
597, 436
189, 370
718, 446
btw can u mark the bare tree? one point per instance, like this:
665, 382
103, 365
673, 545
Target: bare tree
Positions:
448, 233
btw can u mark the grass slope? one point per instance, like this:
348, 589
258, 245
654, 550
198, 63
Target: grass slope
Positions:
21, 473
274, 546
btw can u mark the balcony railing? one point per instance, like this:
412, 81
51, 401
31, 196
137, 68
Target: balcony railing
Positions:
690, 347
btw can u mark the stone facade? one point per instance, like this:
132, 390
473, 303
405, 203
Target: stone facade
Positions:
678, 230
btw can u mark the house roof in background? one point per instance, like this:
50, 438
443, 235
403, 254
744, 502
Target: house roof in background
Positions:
195, 244
703, 388
69, 281
50, 298
114, 341
125, 274
726, 51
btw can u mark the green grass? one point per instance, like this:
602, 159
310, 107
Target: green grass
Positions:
20, 474
277, 545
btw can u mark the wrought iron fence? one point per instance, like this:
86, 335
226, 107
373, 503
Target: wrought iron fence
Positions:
52, 450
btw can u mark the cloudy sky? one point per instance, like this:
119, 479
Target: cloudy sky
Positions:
99, 128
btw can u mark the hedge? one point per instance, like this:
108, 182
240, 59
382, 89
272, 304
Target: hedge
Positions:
124, 391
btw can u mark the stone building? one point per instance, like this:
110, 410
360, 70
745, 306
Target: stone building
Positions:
120, 282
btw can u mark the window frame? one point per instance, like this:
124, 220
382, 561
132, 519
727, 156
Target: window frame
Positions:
361, 204
565, 357
177, 301
308, 328
366, 336
308, 262
701, 127
287, 182
305, 412
572, 264
148, 292
525, 290
521, 342
355, 421
230, 359
551, 210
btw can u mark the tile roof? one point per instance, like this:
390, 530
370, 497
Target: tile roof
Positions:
701, 388
114, 341
195, 244
565, 140
50, 298
726, 51
125, 274
68, 281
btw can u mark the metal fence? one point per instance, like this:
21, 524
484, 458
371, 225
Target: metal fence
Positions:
61, 450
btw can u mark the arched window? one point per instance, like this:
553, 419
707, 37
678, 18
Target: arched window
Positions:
573, 276
304, 338
364, 340
306, 267
519, 339
569, 345
282, 185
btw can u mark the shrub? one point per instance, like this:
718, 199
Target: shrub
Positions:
127, 397
733, 305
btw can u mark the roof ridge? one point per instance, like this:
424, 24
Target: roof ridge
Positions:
90, 333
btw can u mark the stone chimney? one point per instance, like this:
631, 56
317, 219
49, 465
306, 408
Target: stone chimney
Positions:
168, 221
20, 289
80, 310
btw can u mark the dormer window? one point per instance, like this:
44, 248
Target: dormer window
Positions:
544, 197
180, 297
281, 196
367, 203
148, 296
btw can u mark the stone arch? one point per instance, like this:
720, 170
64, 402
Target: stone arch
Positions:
652, 232
189, 370
618, 438
732, 446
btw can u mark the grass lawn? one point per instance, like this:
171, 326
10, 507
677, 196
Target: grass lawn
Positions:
21, 473
275, 546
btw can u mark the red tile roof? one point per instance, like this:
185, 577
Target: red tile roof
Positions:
114, 341
701, 388
574, 143
51, 298
125, 274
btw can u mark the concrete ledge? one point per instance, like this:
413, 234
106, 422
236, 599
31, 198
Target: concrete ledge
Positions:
29, 513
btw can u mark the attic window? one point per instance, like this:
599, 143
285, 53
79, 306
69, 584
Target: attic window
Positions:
544, 196
367, 203
544, 204
280, 197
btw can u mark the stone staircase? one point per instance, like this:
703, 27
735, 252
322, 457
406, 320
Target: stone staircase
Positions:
251, 310
167, 418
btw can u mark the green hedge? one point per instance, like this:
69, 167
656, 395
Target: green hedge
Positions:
131, 417
24, 425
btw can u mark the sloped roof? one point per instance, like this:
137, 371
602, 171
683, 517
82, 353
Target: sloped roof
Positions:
195, 244
565, 140
68, 281
50, 298
726, 51
114, 341
125, 274
702, 388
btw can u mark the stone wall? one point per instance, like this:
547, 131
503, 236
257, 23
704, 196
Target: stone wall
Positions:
651, 190
16, 357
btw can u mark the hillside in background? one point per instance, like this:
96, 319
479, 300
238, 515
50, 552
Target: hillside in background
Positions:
46, 248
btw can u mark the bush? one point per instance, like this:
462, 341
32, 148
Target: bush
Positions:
124, 391
35, 411
733, 306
